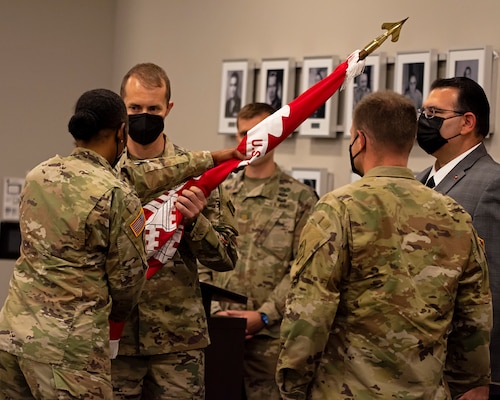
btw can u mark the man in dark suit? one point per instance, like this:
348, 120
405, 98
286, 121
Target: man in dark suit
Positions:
452, 125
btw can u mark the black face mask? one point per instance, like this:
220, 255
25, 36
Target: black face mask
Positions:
429, 136
145, 128
351, 157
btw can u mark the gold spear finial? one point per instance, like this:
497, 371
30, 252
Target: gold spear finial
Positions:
393, 29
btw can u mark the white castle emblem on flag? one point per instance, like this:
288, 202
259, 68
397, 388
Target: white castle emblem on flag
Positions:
163, 231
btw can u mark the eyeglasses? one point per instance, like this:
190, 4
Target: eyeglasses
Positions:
430, 112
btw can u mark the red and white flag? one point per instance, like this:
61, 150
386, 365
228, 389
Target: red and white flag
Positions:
164, 227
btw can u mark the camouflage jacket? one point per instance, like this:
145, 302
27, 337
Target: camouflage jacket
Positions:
82, 261
151, 176
170, 316
269, 220
390, 296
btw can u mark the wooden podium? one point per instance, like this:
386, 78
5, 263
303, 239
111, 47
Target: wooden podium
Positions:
224, 355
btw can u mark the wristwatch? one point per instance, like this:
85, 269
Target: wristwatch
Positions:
264, 318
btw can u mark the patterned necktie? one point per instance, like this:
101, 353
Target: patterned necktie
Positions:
430, 183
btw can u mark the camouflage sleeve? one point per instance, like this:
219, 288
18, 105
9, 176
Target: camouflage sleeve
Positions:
151, 176
468, 356
275, 304
312, 302
212, 239
205, 274
126, 261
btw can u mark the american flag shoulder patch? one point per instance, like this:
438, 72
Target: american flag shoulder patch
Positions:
138, 223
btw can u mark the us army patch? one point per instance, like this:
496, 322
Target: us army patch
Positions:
138, 223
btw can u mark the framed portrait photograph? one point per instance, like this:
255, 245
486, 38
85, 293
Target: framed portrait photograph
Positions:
414, 73
237, 81
317, 178
476, 64
323, 122
276, 82
372, 79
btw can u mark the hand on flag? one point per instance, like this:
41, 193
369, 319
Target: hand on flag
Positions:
164, 221
264, 137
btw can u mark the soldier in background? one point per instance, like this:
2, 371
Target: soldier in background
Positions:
82, 261
161, 352
390, 291
271, 208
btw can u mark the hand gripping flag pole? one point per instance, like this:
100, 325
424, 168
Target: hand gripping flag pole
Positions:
164, 227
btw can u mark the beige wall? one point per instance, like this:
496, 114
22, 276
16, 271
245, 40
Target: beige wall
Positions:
190, 39
53, 50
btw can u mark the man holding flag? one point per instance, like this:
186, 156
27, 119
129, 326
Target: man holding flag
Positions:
259, 141
167, 223
161, 349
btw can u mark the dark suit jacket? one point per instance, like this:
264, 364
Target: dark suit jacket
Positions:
474, 183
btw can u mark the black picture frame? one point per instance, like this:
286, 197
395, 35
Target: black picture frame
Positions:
10, 240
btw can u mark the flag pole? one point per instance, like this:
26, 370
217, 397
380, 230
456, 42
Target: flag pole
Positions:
393, 30
264, 137
267, 134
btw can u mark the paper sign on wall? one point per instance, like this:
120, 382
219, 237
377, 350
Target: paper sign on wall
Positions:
11, 194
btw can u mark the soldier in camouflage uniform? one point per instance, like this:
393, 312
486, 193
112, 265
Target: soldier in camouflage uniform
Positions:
271, 210
82, 261
390, 291
161, 354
